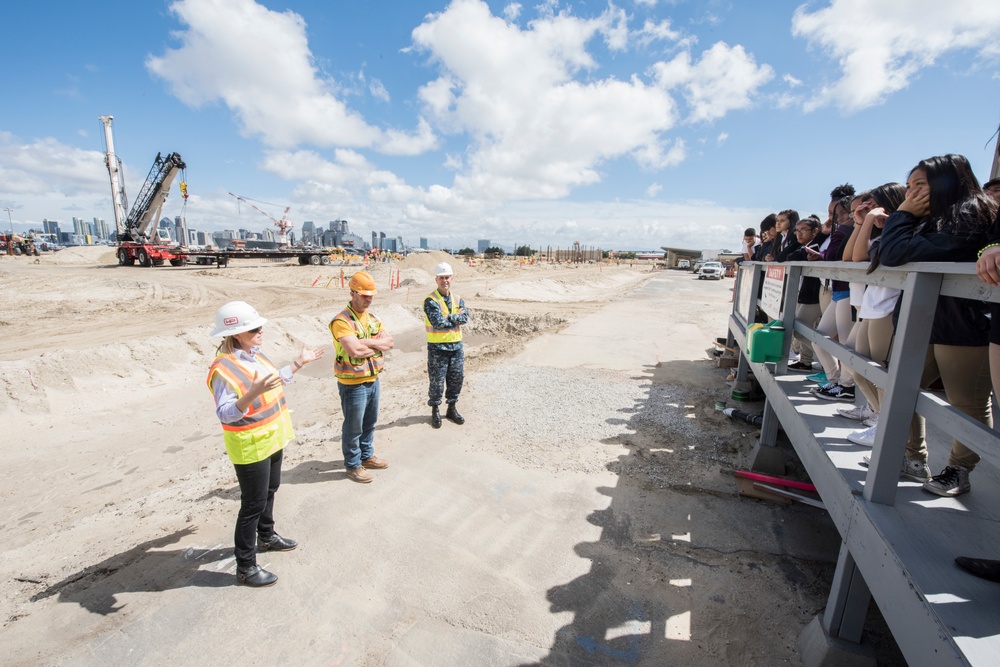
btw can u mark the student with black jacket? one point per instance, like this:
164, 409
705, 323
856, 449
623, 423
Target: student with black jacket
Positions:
944, 218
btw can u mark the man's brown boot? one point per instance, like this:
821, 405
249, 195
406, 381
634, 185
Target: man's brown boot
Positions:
359, 475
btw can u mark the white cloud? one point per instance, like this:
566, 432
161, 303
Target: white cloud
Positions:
654, 156
47, 166
791, 81
653, 190
721, 139
536, 132
378, 90
881, 44
258, 63
512, 11
395, 142
724, 79
652, 31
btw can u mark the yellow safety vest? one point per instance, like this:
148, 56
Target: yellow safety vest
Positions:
452, 335
267, 425
348, 368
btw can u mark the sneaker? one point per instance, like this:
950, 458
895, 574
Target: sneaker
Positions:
864, 437
837, 393
820, 387
871, 421
914, 469
375, 463
818, 378
359, 475
952, 481
800, 367
858, 413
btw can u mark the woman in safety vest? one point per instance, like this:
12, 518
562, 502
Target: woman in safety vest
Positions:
250, 403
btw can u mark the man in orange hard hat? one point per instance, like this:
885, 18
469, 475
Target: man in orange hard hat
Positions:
360, 342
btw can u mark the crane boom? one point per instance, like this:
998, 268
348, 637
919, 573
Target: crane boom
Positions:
117, 178
283, 225
147, 206
149, 203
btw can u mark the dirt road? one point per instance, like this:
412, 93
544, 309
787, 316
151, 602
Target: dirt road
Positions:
580, 516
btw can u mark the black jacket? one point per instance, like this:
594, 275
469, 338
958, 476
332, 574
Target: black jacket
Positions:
904, 239
809, 289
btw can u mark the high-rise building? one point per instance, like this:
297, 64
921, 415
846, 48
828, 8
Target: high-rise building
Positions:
180, 229
423, 243
79, 226
50, 226
482, 245
374, 240
308, 232
103, 233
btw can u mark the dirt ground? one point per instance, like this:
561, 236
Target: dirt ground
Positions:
584, 515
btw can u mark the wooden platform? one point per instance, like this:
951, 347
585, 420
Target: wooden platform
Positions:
938, 613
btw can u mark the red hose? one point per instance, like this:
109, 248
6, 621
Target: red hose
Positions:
780, 481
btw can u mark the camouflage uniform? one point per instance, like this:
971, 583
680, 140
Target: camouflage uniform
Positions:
445, 361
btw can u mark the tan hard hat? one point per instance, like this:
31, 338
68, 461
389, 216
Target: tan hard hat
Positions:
362, 283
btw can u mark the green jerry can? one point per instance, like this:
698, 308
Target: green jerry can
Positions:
764, 342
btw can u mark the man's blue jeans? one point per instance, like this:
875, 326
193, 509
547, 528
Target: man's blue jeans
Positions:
359, 403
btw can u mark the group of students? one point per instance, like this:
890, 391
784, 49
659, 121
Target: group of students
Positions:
941, 214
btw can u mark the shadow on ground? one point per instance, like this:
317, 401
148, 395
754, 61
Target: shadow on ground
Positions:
143, 568
687, 572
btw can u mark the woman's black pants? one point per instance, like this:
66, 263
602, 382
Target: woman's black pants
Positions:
258, 482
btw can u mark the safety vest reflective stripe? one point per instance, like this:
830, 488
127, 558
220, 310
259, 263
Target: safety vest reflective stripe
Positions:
452, 335
267, 425
351, 368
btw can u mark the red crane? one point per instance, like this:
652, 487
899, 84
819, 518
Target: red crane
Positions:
283, 224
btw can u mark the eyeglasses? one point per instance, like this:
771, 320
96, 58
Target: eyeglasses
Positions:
803, 230
256, 331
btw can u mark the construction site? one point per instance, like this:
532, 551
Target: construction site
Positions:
585, 514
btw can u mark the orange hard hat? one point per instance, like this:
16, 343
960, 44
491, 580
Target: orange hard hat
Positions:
362, 283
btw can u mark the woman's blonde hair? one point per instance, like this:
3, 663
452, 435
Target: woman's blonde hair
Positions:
227, 346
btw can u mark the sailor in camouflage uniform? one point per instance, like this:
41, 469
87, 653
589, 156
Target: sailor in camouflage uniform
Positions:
444, 315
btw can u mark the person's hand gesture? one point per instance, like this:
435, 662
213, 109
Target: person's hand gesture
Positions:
308, 355
988, 266
917, 202
263, 384
878, 216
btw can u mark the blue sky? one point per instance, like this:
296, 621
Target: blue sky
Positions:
628, 125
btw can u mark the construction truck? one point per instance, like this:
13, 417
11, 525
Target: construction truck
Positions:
139, 240
15, 244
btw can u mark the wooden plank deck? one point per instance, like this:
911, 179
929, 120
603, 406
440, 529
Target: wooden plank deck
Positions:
938, 613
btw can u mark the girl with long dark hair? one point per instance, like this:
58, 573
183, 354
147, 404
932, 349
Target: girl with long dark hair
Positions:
944, 218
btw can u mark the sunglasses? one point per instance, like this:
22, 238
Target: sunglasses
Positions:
256, 331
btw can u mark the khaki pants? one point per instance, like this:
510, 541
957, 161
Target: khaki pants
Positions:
836, 323
809, 314
964, 372
873, 341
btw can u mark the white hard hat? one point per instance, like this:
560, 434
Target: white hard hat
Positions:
236, 317
443, 269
